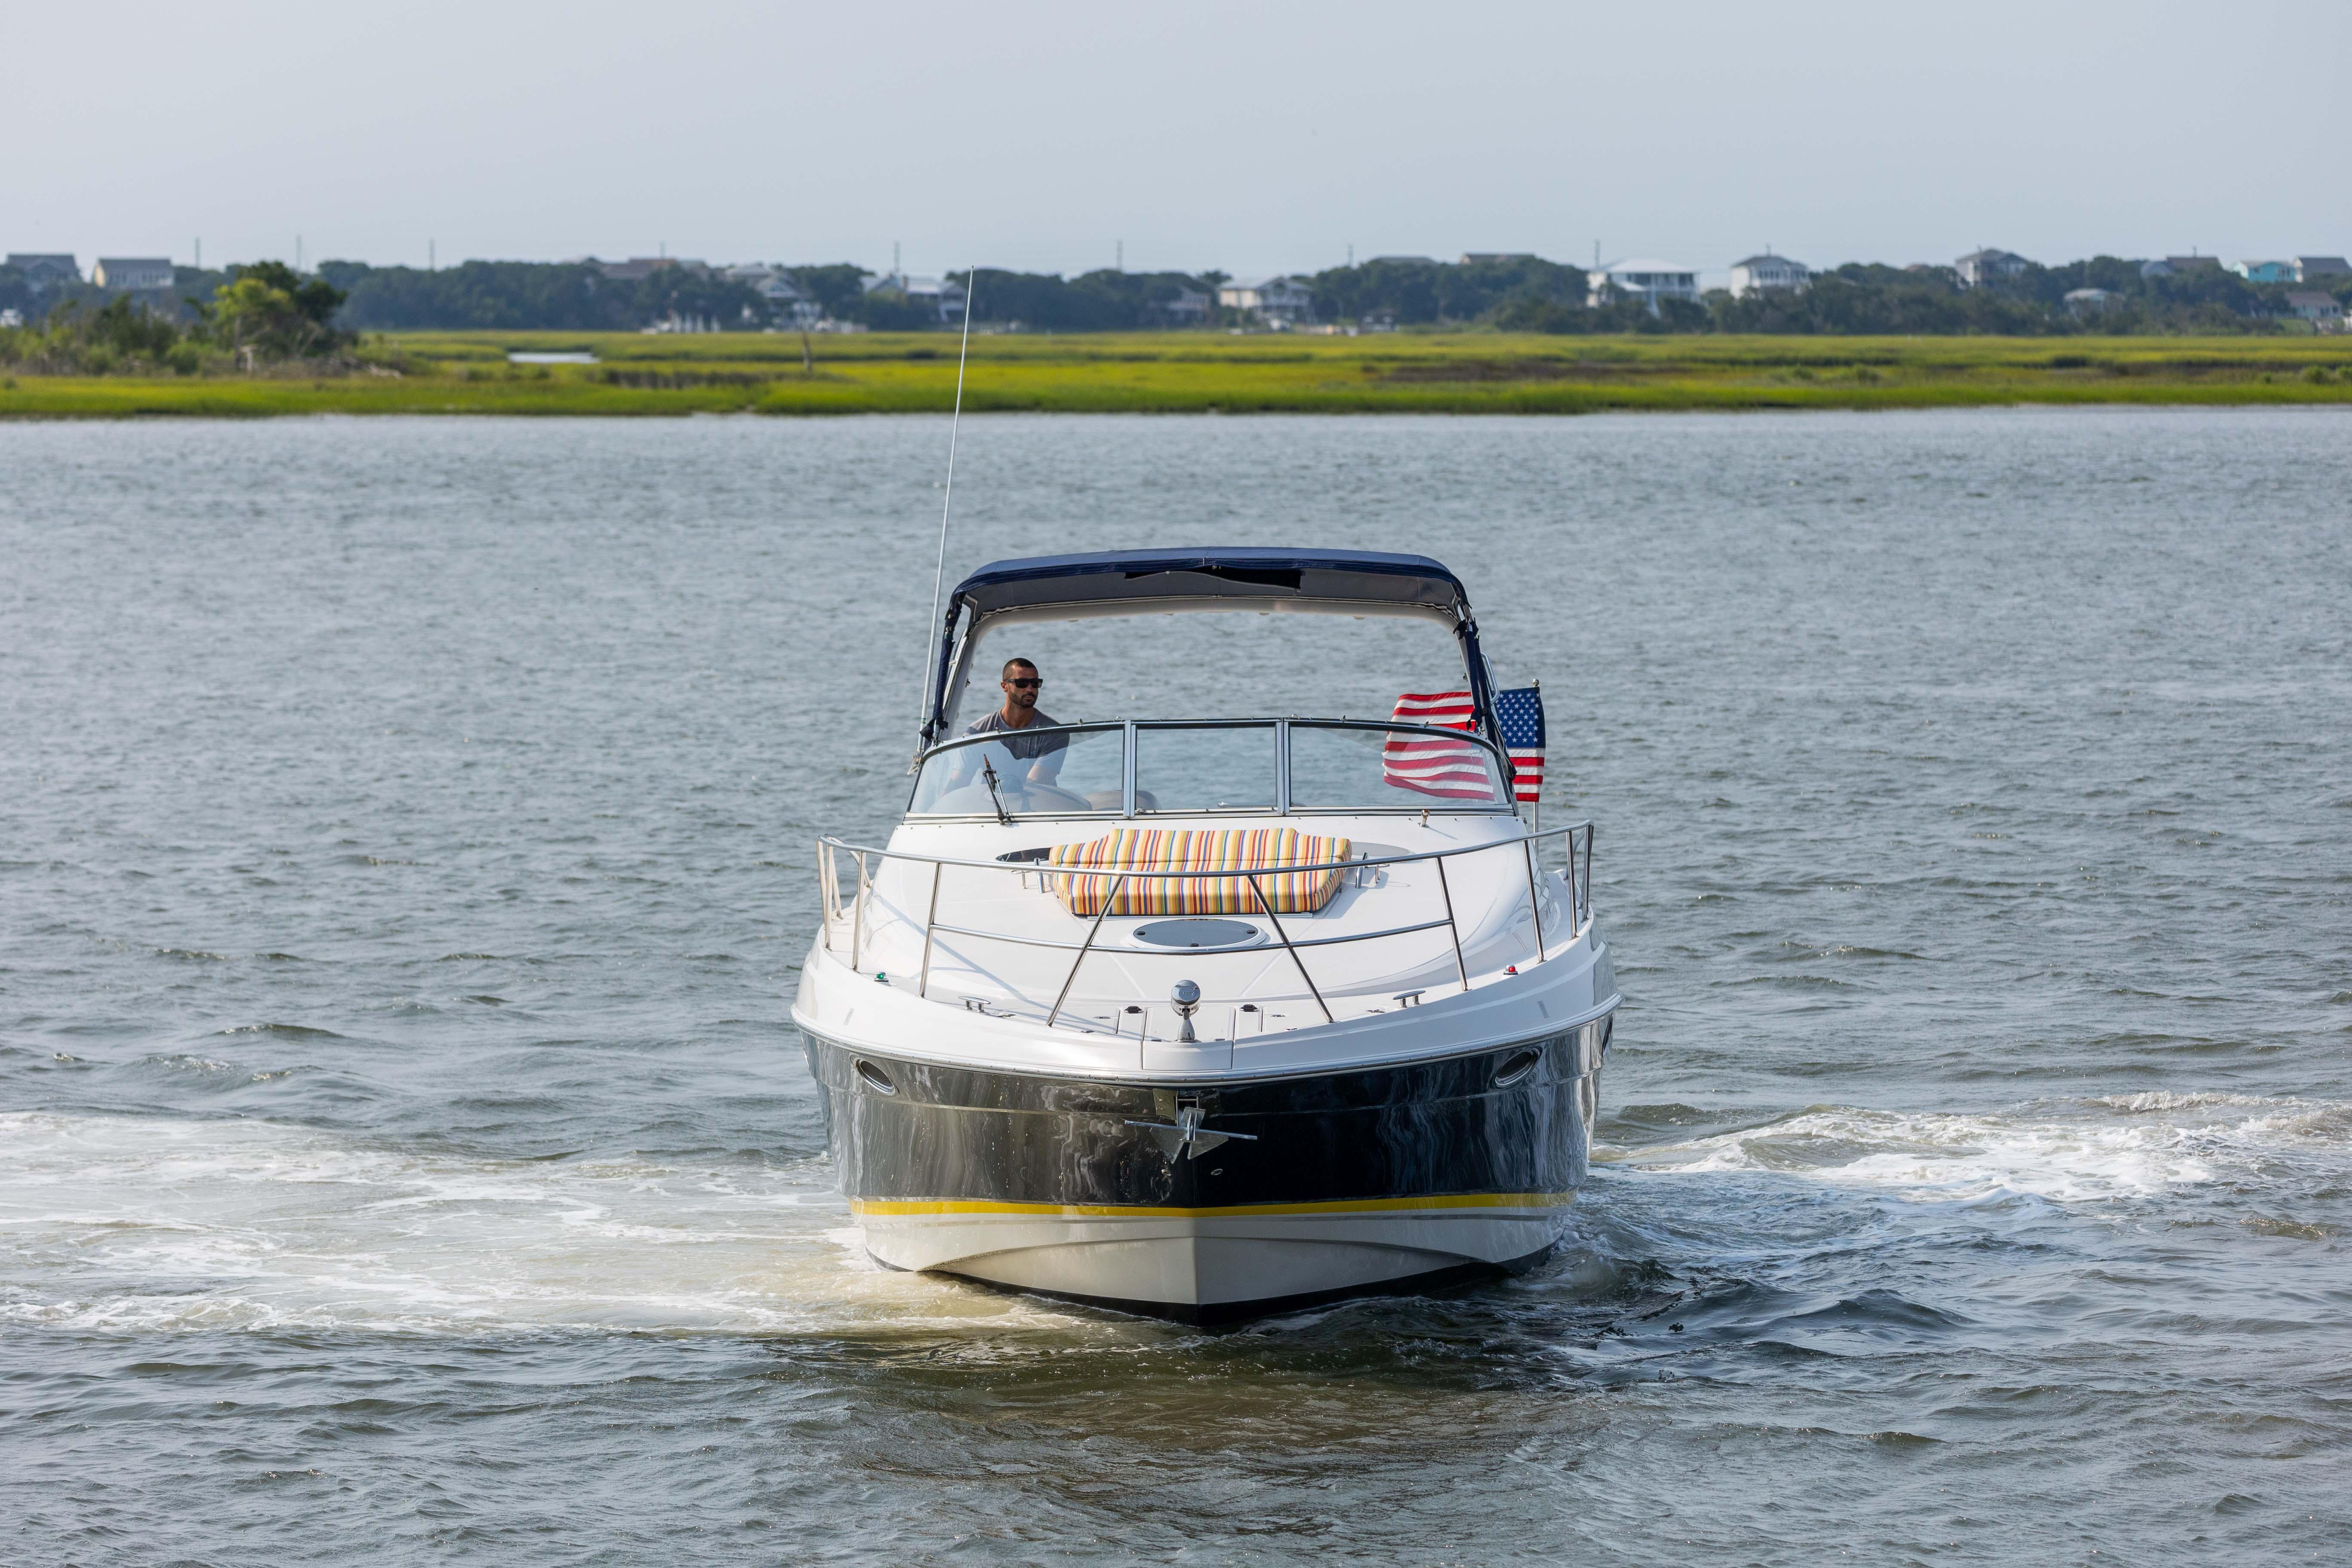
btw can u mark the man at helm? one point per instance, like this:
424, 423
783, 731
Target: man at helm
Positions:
1041, 753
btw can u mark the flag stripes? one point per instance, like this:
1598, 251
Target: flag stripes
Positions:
1457, 769
1432, 764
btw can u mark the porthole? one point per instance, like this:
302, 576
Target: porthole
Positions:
876, 1079
1516, 1066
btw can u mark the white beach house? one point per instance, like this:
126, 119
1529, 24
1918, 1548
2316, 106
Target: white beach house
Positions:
1645, 279
1757, 274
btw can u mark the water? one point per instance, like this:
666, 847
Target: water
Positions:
405, 1156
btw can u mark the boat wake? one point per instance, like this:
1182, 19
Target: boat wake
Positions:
2070, 1151
127, 1223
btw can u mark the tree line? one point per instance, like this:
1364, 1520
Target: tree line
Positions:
1526, 294
1520, 293
266, 313
247, 311
578, 296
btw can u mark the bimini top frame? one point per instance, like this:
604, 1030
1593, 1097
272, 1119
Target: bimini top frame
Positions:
1222, 572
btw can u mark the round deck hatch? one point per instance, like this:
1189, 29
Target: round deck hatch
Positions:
1197, 934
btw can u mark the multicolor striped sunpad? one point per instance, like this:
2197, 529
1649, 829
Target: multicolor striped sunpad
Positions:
1265, 848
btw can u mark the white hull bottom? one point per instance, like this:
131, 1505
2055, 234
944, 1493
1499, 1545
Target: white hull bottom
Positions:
1201, 1265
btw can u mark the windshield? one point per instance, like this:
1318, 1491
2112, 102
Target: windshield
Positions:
1207, 767
1236, 766
1348, 768
1208, 662
1049, 773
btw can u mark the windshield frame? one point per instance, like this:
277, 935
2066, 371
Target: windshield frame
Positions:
1438, 806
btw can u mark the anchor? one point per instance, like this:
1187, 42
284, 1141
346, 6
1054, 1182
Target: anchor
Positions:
1188, 1137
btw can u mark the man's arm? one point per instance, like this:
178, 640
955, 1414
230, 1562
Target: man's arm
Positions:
1048, 765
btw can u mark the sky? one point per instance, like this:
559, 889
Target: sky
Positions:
1254, 138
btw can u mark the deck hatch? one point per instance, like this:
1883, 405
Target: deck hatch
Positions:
1199, 933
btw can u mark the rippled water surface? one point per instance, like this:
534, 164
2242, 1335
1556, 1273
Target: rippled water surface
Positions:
404, 862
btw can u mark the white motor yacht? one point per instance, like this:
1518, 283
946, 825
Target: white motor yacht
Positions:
1205, 1017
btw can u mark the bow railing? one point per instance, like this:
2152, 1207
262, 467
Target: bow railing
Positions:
851, 919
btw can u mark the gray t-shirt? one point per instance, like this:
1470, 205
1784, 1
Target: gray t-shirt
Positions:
1019, 742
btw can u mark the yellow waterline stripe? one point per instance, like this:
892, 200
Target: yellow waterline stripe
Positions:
1137, 1211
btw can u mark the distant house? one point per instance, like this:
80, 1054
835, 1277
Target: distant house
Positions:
1979, 268
1186, 308
2312, 268
2324, 311
1278, 302
1486, 258
949, 291
2180, 266
1644, 278
944, 295
43, 271
787, 301
1759, 273
12, 317
120, 274
2265, 271
2086, 301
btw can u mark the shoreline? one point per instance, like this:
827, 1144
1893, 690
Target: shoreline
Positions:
644, 375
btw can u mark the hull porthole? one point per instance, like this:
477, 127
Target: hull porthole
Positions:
1516, 1066
876, 1079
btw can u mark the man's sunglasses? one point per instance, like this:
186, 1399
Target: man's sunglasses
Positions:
1025, 685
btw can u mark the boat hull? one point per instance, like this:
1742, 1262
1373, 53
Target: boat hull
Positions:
1290, 1190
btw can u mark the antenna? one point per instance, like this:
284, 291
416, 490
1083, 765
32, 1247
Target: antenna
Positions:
939, 575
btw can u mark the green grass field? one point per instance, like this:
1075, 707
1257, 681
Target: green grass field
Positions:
1463, 372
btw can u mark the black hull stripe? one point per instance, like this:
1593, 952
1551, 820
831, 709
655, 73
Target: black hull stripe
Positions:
1487, 1131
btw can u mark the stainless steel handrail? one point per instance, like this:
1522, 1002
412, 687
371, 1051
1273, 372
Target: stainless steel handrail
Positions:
1577, 878
1072, 977
1036, 867
1276, 922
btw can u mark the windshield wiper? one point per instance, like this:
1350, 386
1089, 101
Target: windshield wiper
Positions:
988, 772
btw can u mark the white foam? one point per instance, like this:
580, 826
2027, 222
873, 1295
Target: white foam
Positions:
144, 1225
2073, 1152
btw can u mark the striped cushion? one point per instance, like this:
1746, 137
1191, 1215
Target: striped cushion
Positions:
1142, 849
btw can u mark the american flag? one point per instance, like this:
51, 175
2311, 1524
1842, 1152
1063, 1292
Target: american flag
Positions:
1431, 765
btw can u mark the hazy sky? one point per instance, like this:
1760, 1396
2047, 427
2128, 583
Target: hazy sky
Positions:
1254, 137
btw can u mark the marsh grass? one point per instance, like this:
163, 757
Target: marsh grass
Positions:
468, 373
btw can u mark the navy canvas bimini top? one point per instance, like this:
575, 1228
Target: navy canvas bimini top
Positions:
1241, 571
